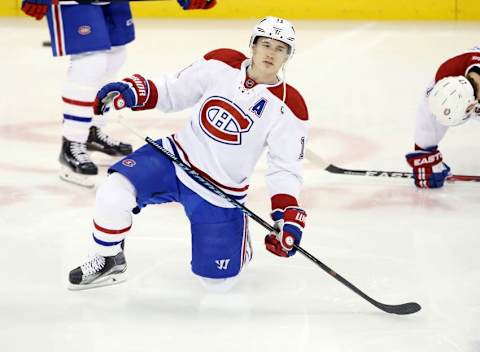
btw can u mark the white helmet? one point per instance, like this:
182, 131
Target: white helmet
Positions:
275, 28
452, 100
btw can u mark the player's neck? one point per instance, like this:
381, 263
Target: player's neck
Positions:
261, 77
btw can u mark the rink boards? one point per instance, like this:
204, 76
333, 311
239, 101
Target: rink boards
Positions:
306, 9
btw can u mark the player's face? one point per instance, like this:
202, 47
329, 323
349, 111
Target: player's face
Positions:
269, 54
474, 79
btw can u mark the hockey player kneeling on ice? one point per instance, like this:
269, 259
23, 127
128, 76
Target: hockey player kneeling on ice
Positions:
451, 100
241, 107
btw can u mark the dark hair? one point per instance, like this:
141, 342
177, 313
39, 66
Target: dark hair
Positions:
474, 85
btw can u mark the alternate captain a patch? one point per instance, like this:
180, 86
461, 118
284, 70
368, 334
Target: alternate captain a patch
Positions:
224, 121
259, 107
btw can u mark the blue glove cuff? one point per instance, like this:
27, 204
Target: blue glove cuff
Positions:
184, 3
277, 214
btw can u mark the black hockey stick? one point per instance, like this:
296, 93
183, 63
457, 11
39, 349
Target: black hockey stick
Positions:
401, 309
394, 174
379, 173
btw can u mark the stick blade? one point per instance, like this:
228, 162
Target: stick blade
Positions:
401, 309
466, 178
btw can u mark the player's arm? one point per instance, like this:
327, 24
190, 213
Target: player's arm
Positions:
426, 160
170, 92
450, 102
286, 146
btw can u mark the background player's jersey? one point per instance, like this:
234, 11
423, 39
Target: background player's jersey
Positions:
459, 65
428, 131
231, 125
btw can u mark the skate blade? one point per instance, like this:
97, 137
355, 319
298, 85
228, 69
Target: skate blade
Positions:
67, 175
77, 182
113, 279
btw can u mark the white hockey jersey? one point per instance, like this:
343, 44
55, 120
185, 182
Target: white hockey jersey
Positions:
428, 131
231, 125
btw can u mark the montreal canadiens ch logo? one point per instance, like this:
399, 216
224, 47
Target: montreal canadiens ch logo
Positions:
129, 162
224, 121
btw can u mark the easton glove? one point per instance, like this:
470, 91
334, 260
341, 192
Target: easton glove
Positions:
290, 223
429, 170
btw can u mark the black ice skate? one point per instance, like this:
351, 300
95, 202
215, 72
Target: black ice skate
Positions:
99, 271
100, 142
77, 167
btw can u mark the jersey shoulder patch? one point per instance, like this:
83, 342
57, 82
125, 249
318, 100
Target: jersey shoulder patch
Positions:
230, 57
294, 100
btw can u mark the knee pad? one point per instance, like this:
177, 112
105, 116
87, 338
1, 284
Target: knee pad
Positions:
115, 199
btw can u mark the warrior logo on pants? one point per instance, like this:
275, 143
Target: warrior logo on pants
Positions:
222, 264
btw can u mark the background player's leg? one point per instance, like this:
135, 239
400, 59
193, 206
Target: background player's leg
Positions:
84, 33
121, 31
78, 94
97, 139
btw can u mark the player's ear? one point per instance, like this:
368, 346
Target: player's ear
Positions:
253, 49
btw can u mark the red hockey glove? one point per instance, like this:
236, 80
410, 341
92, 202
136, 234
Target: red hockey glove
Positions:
290, 223
135, 92
429, 170
197, 4
35, 8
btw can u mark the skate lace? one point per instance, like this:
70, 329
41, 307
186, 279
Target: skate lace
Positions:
93, 266
106, 139
79, 151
